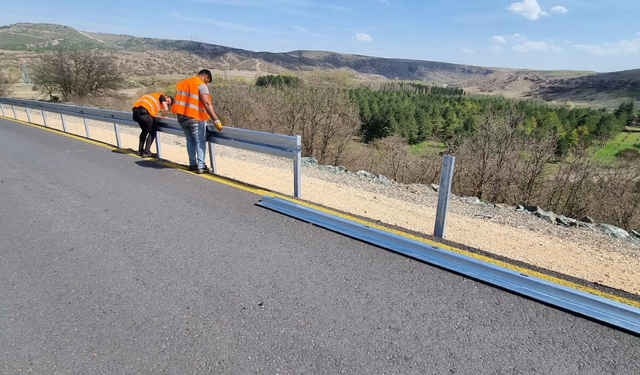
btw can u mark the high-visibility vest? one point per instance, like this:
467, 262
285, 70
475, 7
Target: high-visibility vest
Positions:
150, 102
187, 101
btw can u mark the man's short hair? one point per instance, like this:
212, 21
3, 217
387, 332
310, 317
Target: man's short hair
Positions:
206, 72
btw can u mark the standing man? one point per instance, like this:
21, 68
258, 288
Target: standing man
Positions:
193, 107
144, 111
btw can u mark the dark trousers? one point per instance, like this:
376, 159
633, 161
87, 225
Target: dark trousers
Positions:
149, 128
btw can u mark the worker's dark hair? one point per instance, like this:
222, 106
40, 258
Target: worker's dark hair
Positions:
207, 72
170, 97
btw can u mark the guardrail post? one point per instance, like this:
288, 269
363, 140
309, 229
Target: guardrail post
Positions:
2, 106
158, 147
86, 128
44, 118
212, 158
28, 115
297, 172
14, 112
64, 123
117, 130
444, 193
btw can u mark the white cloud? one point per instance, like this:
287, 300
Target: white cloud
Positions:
363, 37
307, 32
623, 47
559, 9
337, 8
467, 51
537, 47
499, 39
531, 46
596, 50
554, 48
384, 2
496, 49
516, 38
528, 8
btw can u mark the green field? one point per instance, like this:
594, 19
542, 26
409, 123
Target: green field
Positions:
422, 148
621, 142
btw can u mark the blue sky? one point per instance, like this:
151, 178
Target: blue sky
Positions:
538, 34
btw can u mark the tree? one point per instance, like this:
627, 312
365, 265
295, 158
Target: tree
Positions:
78, 74
394, 155
625, 113
5, 85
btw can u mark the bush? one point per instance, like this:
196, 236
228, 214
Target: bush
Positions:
279, 81
5, 85
323, 116
628, 154
76, 75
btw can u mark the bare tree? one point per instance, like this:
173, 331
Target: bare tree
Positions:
534, 157
323, 116
572, 185
5, 85
486, 161
426, 168
618, 192
394, 156
77, 74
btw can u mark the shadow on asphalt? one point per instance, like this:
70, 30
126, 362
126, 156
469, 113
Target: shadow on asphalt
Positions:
151, 164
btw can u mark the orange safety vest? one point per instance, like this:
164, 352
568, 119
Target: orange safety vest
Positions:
150, 102
187, 101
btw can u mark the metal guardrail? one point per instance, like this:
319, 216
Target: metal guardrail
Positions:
267, 143
599, 308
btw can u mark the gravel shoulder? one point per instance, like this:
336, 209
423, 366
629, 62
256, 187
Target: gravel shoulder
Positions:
582, 253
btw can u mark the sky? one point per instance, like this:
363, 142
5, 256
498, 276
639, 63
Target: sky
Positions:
596, 35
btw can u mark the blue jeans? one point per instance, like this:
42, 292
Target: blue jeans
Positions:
196, 142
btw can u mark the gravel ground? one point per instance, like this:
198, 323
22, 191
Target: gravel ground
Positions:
580, 252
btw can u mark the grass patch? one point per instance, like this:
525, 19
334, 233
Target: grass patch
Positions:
424, 147
626, 94
622, 141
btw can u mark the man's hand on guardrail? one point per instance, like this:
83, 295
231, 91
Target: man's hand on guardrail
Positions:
218, 125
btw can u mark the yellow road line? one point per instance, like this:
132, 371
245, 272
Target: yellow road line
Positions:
259, 191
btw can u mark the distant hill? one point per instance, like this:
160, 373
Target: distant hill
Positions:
148, 56
50, 37
40, 37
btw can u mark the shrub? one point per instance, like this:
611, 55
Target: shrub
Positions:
629, 154
78, 74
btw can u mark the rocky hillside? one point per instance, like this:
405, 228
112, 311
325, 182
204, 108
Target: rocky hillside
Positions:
149, 56
49, 37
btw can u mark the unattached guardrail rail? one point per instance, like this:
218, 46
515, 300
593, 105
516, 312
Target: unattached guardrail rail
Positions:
267, 143
599, 308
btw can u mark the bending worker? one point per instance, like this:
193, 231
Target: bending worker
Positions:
144, 111
193, 107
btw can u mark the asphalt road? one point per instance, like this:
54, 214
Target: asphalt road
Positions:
114, 265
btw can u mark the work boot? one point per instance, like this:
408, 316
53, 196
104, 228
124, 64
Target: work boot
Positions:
204, 170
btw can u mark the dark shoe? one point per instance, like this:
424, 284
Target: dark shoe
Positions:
204, 170
193, 168
149, 154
